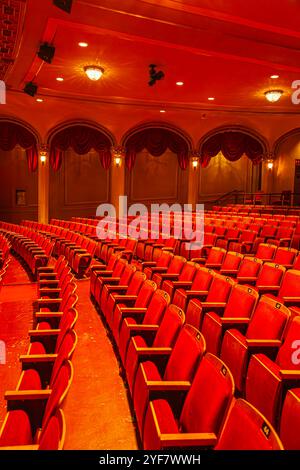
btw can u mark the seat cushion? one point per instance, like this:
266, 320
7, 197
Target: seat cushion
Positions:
17, 429
166, 422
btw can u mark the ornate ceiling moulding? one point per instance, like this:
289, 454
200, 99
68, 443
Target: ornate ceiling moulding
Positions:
12, 14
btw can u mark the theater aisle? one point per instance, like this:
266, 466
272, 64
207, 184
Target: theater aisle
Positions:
16, 297
96, 409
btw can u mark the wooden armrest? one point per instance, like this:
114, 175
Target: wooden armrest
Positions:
169, 276
24, 395
188, 440
40, 358
159, 269
148, 352
47, 282
44, 315
218, 305
45, 270
28, 447
263, 343
44, 302
267, 288
43, 333
168, 385
182, 284
290, 374
53, 290
233, 321
141, 328
125, 298
196, 293
247, 279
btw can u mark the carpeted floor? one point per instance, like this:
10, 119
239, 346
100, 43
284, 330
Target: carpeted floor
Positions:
96, 409
16, 299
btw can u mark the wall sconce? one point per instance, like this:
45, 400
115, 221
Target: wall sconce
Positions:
118, 154
118, 161
195, 163
270, 164
43, 157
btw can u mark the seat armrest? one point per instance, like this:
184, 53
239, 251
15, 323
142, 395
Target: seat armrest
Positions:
188, 440
43, 333
25, 395
290, 374
37, 358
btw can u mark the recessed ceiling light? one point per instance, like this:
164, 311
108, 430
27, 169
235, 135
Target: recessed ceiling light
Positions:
211, 98
83, 44
39, 100
274, 76
162, 110
179, 83
60, 79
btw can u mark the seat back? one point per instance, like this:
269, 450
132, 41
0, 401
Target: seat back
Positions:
216, 256
269, 319
176, 265
288, 356
220, 288
188, 350
59, 390
268, 231
188, 271
136, 282
145, 294
285, 256
271, 274
165, 259
64, 352
53, 434
246, 428
290, 420
241, 302
290, 286
126, 275
266, 252
156, 308
232, 261
170, 326
249, 267
208, 398
203, 279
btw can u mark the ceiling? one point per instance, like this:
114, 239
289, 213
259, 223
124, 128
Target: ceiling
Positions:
226, 49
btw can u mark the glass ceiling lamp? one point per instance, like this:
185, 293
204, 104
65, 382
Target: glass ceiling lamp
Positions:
273, 95
94, 72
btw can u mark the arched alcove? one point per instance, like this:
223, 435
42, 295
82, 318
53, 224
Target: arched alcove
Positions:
230, 159
80, 160
156, 160
18, 169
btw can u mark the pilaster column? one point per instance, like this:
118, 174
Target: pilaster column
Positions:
43, 185
193, 180
117, 187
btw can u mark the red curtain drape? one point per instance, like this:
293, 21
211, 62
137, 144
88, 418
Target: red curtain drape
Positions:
81, 139
156, 141
12, 134
233, 146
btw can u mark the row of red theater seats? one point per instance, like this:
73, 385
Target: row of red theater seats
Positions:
5, 247
163, 355
147, 250
34, 418
32, 247
261, 209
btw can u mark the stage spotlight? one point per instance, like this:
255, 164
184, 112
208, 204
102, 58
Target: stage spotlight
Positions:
46, 52
154, 75
65, 5
30, 89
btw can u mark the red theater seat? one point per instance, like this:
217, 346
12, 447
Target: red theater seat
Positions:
231, 263
150, 338
164, 370
267, 380
201, 415
266, 252
246, 428
172, 273
249, 270
32, 411
236, 313
290, 420
285, 256
151, 316
184, 280
264, 334
200, 285
270, 278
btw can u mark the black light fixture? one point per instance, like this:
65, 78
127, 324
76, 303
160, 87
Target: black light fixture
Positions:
31, 89
46, 52
65, 5
155, 75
